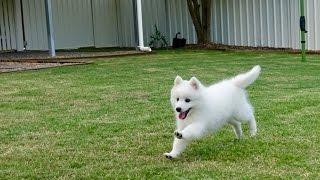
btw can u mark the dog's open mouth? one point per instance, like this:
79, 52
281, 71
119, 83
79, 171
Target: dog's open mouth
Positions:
183, 115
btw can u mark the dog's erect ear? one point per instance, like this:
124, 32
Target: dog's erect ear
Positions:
195, 83
178, 80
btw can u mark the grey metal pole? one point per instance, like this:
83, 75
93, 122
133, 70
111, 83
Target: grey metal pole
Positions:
50, 31
135, 24
303, 31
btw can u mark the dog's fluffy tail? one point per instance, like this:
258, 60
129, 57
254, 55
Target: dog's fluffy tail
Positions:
245, 79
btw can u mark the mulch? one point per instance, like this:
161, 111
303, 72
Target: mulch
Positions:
17, 61
20, 66
222, 47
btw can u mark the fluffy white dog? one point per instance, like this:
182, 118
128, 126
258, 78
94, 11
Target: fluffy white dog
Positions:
200, 110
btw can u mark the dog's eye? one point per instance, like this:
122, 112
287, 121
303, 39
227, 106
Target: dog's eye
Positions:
177, 99
188, 100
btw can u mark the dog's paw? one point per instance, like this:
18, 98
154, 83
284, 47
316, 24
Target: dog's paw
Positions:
178, 134
253, 132
168, 156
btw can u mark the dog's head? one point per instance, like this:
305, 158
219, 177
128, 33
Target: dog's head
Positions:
185, 96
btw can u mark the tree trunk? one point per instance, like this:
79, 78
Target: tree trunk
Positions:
206, 19
201, 23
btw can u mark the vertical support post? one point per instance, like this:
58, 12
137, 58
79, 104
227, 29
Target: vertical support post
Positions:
18, 22
166, 8
136, 41
140, 27
50, 32
93, 24
303, 31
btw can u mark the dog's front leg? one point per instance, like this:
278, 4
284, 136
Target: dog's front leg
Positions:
192, 131
179, 145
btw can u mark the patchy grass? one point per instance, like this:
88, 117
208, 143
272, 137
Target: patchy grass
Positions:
113, 119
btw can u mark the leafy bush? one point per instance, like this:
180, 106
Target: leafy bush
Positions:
158, 40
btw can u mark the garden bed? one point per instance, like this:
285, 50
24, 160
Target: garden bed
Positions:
223, 47
20, 66
16, 61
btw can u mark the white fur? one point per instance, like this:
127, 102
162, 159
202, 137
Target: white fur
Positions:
212, 107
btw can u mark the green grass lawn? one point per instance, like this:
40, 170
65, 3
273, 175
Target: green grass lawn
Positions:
113, 119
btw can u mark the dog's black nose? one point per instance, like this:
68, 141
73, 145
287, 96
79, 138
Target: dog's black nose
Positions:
178, 109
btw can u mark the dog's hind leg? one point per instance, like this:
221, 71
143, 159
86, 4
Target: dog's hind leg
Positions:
252, 125
249, 117
246, 115
236, 127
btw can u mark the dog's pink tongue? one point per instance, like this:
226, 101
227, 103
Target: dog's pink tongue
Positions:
182, 115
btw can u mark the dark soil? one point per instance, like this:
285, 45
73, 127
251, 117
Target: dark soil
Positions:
223, 47
20, 66
63, 56
17, 61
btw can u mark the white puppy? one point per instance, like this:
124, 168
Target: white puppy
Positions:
200, 110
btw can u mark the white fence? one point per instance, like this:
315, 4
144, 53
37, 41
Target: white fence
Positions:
266, 23
7, 25
72, 21
270, 23
107, 23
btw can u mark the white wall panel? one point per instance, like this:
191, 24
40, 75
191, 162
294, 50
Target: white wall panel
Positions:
125, 23
294, 21
34, 21
264, 23
259, 23
105, 23
7, 25
313, 24
153, 12
180, 21
252, 22
73, 23
316, 25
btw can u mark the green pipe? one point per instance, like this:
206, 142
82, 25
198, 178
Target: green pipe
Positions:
303, 31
